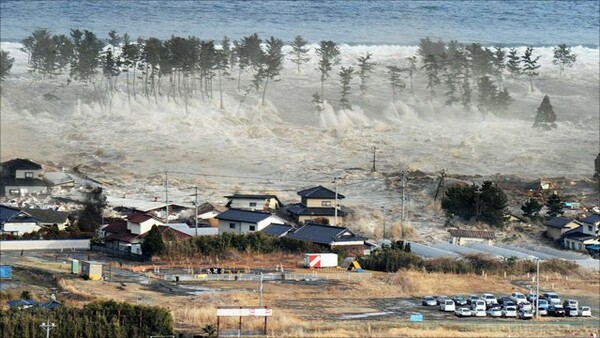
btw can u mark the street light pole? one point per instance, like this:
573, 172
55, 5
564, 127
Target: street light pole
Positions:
537, 290
48, 326
335, 210
196, 212
383, 216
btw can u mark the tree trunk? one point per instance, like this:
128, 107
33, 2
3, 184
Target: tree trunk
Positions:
265, 90
220, 90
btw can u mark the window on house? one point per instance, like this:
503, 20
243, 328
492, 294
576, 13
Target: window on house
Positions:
29, 174
231, 225
579, 246
325, 203
252, 228
252, 204
589, 228
13, 191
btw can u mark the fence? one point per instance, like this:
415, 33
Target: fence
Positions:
57, 244
315, 276
119, 253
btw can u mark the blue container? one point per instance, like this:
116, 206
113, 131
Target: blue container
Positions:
5, 272
416, 317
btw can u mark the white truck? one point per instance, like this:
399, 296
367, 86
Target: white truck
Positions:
320, 260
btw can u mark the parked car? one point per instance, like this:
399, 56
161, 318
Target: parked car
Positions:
440, 299
572, 311
525, 314
543, 311
478, 305
552, 297
462, 312
489, 299
556, 310
429, 301
543, 303
448, 306
518, 298
509, 311
494, 311
478, 313
459, 300
526, 306
504, 300
585, 311
531, 297
570, 303
472, 298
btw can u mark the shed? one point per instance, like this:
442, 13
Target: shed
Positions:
91, 270
75, 267
463, 236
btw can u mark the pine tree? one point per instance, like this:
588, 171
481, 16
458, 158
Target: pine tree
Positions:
91, 215
114, 39
554, 204
299, 51
345, 78
6, 63
87, 47
272, 63
513, 64
42, 52
365, 68
411, 69
396, 83
329, 56
545, 117
531, 207
486, 90
499, 64
432, 69
153, 243
563, 57
530, 65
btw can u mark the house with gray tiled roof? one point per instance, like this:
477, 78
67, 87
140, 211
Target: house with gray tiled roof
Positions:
20, 177
557, 226
463, 236
318, 204
330, 236
242, 222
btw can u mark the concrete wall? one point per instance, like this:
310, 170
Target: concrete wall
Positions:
19, 228
45, 244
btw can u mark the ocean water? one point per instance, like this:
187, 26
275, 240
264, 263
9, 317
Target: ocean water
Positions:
507, 23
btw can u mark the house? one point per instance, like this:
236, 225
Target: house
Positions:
129, 206
14, 221
20, 177
330, 236
207, 213
243, 221
557, 226
253, 202
48, 218
277, 230
192, 231
318, 204
584, 235
464, 237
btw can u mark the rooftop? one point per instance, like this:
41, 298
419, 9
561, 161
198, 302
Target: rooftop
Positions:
559, 222
300, 209
238, 215
472, 233
277, 230
319, 192
48, 216
324, 234
21, 164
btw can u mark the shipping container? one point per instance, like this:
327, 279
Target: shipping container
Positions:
5, 272
91, 270
320, 260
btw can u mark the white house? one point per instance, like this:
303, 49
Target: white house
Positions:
244, 221
139, 223
21, 176
253, 202
13, 221
585, 234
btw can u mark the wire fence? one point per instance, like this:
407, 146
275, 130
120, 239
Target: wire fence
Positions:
315, 276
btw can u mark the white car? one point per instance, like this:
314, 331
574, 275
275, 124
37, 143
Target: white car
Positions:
478, 305
509, 311
489, 299
463, 312
448, 306
518, 298
526, 306
543, 311
570, 303
525, 314
585, 311
478, 313
552, 298
494, 311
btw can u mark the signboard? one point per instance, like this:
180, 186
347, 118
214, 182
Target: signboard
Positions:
247, 312
416, 317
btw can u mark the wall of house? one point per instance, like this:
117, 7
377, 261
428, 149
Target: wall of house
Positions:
589, 229
56, 244
143, 227
573, 245
331, 219
554, 233
24, 190
318, 202
245, 203
19, 228
23, 173
467, 240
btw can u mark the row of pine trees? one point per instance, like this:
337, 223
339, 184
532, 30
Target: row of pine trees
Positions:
181, 68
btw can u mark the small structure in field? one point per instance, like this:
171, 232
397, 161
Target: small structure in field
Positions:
463, 237
91, 270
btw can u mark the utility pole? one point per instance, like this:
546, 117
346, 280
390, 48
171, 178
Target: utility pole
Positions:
403, 185
478, 192
260, 290
537, 290
167, 196
383, 216
335, 179
48, 326
374, 151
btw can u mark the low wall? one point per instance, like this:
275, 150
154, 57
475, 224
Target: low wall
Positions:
58, 244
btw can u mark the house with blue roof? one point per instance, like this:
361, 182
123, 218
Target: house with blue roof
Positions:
20, 177
14, 221
557, 226
242, 222
583, 236
318, 204
329, 236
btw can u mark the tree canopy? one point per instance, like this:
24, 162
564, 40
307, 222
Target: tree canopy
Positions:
486, 203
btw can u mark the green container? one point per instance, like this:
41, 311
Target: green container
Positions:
75, 267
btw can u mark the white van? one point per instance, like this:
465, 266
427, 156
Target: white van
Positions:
448, 306
478, 305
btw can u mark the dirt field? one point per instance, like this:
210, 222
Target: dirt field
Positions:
374, 305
